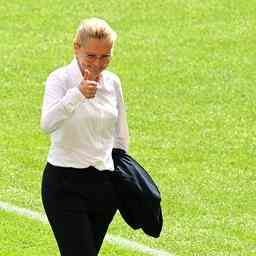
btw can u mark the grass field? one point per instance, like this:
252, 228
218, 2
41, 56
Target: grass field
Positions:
188, 74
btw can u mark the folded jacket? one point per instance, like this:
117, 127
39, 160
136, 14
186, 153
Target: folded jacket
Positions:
138, 196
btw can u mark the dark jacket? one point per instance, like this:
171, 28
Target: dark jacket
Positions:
138, 196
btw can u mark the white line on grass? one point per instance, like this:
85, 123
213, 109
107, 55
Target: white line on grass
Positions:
125, 243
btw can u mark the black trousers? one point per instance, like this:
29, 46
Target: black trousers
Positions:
79, 204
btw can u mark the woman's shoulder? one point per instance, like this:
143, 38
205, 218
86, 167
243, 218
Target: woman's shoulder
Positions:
110, 76
58, 77
59, 73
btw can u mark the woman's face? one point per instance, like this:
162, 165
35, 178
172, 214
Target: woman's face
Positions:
94, 56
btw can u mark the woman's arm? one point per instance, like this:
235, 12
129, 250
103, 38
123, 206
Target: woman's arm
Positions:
122, 132
58, 103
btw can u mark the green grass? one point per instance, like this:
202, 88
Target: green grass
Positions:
188, 73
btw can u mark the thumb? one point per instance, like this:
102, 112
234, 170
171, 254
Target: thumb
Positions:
88, 75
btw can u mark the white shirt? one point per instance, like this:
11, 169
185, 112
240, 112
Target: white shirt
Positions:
83, 131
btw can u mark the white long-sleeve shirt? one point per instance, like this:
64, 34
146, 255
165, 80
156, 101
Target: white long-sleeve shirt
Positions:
83, 131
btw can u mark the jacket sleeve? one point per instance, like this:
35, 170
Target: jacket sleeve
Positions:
58, 103
121, 139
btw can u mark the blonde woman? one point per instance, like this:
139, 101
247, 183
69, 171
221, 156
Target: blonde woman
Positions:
83, 112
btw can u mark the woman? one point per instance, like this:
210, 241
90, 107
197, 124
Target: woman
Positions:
83, 111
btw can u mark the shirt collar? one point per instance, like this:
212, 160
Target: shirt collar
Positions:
74, 73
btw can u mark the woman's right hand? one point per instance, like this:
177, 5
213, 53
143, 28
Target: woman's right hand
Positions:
88, 86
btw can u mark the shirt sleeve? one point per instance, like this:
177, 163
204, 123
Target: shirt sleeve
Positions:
58, 103
121, 139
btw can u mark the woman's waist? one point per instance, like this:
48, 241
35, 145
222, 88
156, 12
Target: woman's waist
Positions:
100, 158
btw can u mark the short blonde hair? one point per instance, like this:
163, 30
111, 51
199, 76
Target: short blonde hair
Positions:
94, 28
